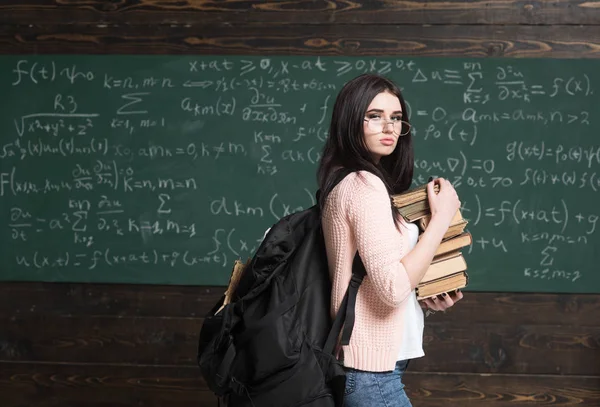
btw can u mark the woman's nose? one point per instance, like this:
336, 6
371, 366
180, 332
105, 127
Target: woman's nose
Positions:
388, 127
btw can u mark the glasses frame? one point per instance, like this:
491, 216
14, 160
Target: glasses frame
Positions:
386, 122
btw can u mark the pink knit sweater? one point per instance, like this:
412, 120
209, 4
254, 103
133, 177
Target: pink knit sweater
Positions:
357, 215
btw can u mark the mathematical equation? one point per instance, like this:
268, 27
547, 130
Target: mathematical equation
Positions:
183, 163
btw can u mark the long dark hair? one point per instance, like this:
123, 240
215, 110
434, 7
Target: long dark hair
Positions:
345, 145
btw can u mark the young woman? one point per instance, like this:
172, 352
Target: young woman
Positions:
370, 135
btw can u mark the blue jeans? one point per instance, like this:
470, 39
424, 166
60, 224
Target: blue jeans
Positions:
376, 389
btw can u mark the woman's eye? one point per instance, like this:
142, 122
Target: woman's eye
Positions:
374, 117
397, 118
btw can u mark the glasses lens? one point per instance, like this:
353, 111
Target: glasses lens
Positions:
398, 128
374, 125
401, 128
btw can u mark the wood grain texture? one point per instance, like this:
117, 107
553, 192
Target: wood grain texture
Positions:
55, 385
19, 299
159, 325
451, 346
300, 12
510, 348
259, 39
147, 341
37, 385
443, 390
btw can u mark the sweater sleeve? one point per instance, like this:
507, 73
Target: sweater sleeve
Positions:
370, 216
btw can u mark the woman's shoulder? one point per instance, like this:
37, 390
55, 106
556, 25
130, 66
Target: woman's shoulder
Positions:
360, 180
358, 188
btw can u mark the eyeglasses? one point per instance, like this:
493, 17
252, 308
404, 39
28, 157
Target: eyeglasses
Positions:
377, 124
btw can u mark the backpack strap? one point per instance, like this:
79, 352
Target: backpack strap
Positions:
358, 274
346, 315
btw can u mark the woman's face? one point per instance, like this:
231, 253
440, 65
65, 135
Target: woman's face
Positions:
382, 125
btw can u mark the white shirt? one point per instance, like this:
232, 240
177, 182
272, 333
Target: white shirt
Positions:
412, 339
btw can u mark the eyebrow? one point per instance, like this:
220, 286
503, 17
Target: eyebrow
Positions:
381, 111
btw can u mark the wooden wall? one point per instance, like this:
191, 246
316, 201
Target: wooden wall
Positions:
120, 345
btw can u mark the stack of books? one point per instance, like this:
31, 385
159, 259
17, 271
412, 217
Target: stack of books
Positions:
413, 204
448, 269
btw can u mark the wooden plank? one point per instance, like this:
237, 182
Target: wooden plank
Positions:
522, 308
46, 385
443, 390
53, 385
300, 12
110, 340
351, 40
20, 299
510, 348
489, 348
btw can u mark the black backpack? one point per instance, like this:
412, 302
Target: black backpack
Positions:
274, 344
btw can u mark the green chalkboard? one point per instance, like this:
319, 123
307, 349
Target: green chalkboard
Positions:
164, 169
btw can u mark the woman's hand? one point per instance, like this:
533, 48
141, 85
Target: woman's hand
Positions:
443, 301
444, 204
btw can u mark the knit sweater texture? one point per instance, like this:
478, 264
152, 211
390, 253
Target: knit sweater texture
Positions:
358, 216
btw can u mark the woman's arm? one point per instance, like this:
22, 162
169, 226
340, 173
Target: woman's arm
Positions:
443, 207
394, 273
365, 200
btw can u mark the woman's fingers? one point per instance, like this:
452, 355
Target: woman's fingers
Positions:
458, 295
431, 305
435, 303
446, 301
430, 191
443, 301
